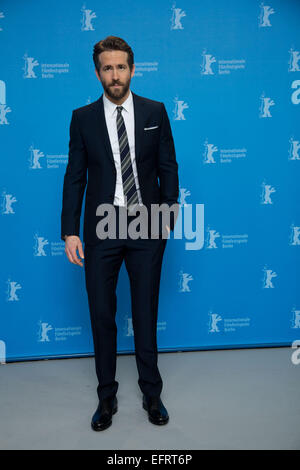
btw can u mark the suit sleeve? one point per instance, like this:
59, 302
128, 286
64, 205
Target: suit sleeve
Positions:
75, 180
167, 166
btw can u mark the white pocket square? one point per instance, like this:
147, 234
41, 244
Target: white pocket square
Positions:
148, 128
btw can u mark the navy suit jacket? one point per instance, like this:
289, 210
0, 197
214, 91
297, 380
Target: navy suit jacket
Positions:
91, 164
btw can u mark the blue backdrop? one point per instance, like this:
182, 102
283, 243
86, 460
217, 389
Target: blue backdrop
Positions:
228, 73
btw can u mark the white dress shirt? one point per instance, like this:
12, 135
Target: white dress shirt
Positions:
111, 112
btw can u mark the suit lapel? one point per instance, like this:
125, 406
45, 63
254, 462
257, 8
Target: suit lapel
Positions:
101, 127
139, 120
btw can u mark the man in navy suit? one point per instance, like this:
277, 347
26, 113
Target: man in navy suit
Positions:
123, 143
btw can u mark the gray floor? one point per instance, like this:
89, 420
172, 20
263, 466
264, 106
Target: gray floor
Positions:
228, 399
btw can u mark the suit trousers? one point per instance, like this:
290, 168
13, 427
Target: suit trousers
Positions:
143, 262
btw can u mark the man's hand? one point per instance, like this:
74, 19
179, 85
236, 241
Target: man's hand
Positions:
72, 244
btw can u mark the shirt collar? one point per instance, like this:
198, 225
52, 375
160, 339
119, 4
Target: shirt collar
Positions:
110, 107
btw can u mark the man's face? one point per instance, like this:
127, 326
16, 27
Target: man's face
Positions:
115, 74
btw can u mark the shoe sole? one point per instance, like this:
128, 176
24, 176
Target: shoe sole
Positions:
159, 423
105, 426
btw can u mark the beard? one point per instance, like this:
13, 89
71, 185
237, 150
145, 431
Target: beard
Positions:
117, 93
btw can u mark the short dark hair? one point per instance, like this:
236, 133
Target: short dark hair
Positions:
112, 43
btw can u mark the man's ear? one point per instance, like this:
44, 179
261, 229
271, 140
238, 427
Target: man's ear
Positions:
97, 74
133, 70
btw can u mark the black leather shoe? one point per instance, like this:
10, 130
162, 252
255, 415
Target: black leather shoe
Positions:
157, 413
102, 418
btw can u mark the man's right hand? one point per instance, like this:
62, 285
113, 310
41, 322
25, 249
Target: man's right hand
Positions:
72, 244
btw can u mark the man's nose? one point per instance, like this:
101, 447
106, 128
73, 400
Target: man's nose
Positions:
115, 74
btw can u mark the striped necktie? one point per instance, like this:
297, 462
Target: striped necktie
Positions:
129, 187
